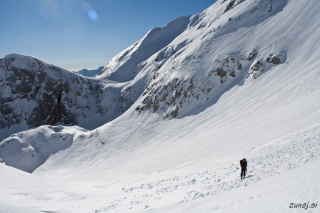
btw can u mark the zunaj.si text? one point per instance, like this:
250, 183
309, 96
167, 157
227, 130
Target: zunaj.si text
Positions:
303, 205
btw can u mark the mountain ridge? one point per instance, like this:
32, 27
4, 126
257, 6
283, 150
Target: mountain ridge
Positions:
89, 73
242, 80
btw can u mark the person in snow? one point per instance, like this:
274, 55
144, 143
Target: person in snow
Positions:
243, 164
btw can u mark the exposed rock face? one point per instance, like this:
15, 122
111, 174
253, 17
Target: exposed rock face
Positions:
169, 98
37, 93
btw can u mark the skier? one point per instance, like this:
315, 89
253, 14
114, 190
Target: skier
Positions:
243, 164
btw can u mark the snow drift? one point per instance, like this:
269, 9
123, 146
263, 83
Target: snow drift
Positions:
240, 80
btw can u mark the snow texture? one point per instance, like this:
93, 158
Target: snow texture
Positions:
240, 79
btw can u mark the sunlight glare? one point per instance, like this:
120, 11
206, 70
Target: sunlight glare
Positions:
93, 15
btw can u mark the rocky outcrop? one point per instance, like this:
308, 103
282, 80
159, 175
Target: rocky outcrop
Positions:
173, 98
3, 162
35, 93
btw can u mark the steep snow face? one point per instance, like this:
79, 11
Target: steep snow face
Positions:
125, 66
199, 64
222, 49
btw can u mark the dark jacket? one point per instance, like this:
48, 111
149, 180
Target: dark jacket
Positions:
243, 164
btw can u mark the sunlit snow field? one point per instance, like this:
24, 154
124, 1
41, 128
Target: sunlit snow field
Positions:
141, 162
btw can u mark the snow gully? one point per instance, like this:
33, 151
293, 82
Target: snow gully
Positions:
303, 205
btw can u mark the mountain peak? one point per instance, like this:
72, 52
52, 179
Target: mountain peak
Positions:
238, 80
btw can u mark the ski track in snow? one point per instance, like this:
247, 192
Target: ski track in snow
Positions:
272, 159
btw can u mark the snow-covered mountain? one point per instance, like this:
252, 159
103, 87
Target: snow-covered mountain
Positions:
36, 93
128, 63
192, 69
89, 73
239, 79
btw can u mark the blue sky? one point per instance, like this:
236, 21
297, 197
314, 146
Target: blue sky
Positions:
76, 34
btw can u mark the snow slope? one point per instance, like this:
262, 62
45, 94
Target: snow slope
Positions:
177, 148
124, 66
